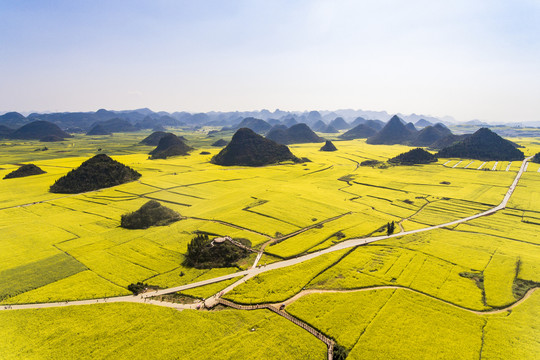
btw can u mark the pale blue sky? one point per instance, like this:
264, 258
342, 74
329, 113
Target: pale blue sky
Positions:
469, 59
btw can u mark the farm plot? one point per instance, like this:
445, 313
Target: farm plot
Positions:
343, 316
515, 334
498, 280
81, 286
443, 211
526, 196
102, 331
374, 266
499, 223
346, 227
39, 273
411, 324
281, 284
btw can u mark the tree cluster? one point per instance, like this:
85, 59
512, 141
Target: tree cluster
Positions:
96, 173
150, 214
390, 228
202, 253
414, 156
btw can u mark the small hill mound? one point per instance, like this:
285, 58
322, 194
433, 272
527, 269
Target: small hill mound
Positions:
361, 131
339, 123
150, 214
38, 130
257, 125
484, 145
319, 126
394, 132
170, 145
296, 134
51, 138
423, 123
250, 149
116, 125
153, 138
220, 143
25, 170
427, 136
95, 173
98, 130
329, 146
329, 129
414, 156
5, 131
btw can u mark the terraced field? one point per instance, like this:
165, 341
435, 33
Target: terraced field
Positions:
421, 291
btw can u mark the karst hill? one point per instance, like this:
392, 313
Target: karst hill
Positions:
413, 157
394, 132
25, 170
296, 134
154, 138
329, 146
484, 145
39, 129
151, 213
247, 148
170, 145
95, 173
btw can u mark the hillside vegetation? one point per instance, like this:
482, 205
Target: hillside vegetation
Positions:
95, 173
25, 170
484, 144
414, 156
150, 214
250, 149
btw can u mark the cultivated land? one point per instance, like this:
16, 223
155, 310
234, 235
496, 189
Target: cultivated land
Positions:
461, 291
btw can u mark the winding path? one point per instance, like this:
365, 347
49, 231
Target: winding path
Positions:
254, 271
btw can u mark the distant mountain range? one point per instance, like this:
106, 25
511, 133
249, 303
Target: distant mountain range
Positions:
144, 118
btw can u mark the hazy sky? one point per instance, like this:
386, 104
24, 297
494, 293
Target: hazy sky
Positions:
469, 59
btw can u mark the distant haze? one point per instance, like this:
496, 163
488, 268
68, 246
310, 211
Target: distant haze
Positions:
468, 59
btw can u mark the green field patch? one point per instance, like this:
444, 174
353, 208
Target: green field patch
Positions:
81, 286
36, 274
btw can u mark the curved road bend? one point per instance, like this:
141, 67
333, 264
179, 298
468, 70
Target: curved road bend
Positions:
277, 265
